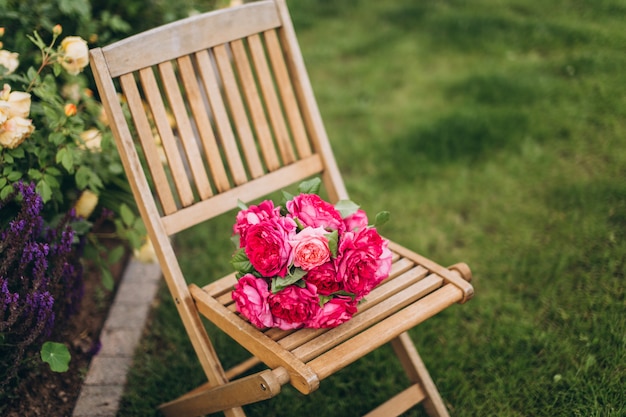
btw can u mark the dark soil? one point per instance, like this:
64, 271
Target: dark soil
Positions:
42, 392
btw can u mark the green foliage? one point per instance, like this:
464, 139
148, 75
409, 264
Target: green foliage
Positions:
56, 355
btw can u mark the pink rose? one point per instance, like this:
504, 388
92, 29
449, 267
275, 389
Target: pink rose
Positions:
324, 277
250, 296
364, 260
310, 248
293, 306
267, 246
312, 211
254, 215
338, 310
356, 221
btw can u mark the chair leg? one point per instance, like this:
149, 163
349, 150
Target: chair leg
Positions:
417, 373
228, 397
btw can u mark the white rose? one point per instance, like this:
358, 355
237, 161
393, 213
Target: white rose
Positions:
74, 54
19, 103
146, 253
86, 204
14, 131
5, 109
91, 139
9, 60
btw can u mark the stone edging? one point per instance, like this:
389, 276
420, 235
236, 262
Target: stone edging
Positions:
104, 384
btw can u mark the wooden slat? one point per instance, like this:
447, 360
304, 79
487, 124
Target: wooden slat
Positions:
416, 371
285, 89
271, 99
310, 112
135, 105
261, 386
384, 331
227, 200
222, 122
400, 403
155, 101
454, 277
237, 110
185, 131
244, 333
203, 124
257, 113
189, 35
361, 321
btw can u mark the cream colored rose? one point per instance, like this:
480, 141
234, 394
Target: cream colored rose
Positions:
14, 131
86, 204
91, 139
5, 109
19, 103
146, 253
74, 54
9, 60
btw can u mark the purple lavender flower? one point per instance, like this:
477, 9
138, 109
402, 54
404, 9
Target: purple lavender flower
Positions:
40, 275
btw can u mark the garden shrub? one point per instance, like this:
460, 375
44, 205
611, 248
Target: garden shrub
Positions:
41, 277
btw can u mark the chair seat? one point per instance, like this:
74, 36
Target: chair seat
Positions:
415, 290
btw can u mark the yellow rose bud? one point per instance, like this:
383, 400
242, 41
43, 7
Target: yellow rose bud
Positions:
9, 60
86, 204
74, 54
146, 253
14, 131
57, 30
1, 31
70, 109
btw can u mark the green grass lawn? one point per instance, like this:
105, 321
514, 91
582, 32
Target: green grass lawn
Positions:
494, 131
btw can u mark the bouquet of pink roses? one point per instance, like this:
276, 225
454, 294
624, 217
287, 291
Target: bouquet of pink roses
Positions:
307, 264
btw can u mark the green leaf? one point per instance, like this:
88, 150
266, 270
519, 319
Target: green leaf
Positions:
57, 138
287, 195
36, 39
311, 186
107, 279
242, 205
56, 355
324, 299
333, 241
43, 188
116, 168
346, 208
14, 176
6, 191
281, 283
240, 262
381, 218
128, 217
116, 254
35, 174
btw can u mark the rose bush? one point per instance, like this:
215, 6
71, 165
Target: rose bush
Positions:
56, 150
307, 265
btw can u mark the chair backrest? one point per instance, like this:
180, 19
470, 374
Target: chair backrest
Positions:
218, 108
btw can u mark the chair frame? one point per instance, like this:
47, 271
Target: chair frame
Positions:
225, 132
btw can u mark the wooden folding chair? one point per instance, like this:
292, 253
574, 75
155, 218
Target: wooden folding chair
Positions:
246, 124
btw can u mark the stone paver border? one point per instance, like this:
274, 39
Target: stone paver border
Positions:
104, 384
